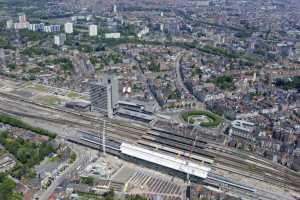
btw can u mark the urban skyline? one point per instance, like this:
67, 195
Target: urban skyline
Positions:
171, 99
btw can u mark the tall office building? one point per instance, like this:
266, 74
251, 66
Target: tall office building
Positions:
93, 30
22, 19
104, 95
47, 29
36, 27
68, 27
55, 28
2, 57
115, 90
9, 24
143, 32
51, 28
161, 27
115, 9
22, 24
59, 39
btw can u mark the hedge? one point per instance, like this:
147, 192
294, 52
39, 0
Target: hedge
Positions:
215, 119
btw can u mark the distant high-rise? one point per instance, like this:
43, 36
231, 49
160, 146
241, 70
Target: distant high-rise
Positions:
9, 24
60, 39
115, 9
161, 27
114, 82
68, 27
104, 95
22, 24
51, 28
55, 28
36, 27
22, 19
93, 30
2, 57
143, 32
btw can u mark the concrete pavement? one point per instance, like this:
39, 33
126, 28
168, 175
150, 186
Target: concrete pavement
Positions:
80, 161
180, 81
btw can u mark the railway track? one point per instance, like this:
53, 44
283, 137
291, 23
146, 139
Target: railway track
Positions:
177, 145
88, 117
114, 128
258, 174
262, 170
109, 130
119, 129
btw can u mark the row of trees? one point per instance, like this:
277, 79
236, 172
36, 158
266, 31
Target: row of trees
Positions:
7, 119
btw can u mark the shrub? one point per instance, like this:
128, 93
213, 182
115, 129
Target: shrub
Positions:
7, 119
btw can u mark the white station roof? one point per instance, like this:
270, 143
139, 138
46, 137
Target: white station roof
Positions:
165, 160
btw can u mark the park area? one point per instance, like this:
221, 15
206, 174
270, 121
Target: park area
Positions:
202, 118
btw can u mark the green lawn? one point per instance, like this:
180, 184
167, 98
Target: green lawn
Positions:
49, 100
39, 88
2, 152
84, 98
73, 94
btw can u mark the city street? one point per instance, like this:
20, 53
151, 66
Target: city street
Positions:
82, 159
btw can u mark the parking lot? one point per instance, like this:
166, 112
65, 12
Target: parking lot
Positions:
152, 186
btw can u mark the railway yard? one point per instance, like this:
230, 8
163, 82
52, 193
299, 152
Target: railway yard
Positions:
229, 169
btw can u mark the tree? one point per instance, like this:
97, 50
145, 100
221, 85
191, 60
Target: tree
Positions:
65, 63
127, 30
7, 119
23, 154
72, 157
6, 187
223, 82
87, 180
93, 60
26, 152
154, 67
12, 66
109, 195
